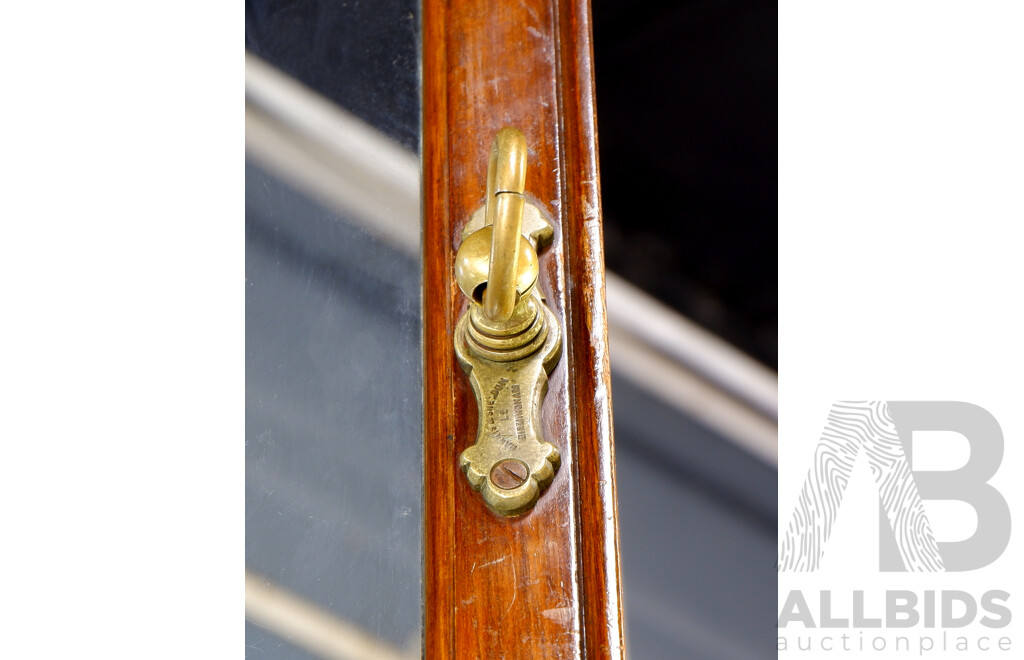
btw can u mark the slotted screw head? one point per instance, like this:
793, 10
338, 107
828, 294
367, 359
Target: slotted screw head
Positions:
509, 473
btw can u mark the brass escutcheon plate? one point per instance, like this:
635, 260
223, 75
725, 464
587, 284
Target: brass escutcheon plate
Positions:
510, 463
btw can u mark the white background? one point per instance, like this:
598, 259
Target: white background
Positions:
122, 357
901, 203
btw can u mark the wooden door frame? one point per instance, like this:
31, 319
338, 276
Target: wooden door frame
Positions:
545, 584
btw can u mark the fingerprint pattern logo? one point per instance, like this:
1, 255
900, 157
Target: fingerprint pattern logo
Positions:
853, 425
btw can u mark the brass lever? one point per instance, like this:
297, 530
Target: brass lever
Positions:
506, 182
508, 341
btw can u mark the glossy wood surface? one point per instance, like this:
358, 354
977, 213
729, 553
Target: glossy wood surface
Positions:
545, 584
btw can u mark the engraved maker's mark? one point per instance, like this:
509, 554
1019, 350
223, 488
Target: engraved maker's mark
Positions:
489, 406
517, 412
497, 415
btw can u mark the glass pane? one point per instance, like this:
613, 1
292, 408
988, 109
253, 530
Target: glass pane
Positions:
333, 331
333, 413
697, 518
362, 56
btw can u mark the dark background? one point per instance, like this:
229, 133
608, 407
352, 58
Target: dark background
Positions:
686, 107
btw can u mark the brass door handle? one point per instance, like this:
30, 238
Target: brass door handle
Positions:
508, 341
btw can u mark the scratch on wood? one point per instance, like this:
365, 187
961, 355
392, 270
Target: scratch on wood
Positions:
561, 615
491, 563
515, 591
589, 209
531, 10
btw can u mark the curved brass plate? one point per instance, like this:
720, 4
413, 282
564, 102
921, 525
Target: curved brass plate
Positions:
510, 463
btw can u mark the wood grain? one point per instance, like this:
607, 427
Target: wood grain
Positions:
545, 584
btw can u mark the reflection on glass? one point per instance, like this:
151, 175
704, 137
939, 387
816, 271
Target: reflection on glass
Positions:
333, 360
333, 412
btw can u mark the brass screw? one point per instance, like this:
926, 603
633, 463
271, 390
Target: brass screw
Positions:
509, 473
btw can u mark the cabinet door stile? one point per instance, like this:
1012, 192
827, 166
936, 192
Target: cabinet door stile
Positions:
543, 584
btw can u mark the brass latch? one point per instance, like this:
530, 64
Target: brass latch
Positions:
508, 341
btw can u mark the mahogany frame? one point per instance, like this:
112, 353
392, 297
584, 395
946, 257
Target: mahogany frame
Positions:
545, 584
